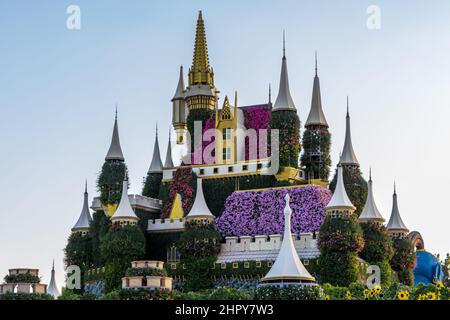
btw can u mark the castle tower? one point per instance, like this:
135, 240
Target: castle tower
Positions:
370, 212
156, 164
169, 162
226, 124
83, 223
115, 151
201, 92
288, 267
284, 118
340, 204
200, 210
124, 214
316, 138
52, 288
348, 157
396, 227
179, 110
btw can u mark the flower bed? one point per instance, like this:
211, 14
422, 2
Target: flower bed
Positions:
261, 213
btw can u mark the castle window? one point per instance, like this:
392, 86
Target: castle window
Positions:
269, 263
306, 262
258, 264
202, 172
226, 153
226, 134
235, 265
259, 166
245, 167
230, 169
216, 170
246, 265
223, 265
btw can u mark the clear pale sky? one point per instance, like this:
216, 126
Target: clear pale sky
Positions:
58, 90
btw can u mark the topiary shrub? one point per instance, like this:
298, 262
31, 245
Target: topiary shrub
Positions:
404, 260
152, 185
24, 278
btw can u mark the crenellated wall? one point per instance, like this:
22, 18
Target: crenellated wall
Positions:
165, 225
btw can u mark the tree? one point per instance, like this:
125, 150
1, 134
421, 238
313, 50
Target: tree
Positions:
404, 260
152, 185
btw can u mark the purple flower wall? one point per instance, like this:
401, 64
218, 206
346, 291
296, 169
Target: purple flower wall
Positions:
261, 212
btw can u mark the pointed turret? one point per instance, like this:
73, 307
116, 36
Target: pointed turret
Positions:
115, 151
169, 162
370, 211
201, 92
348, 156
200, 210
83, 224
179, 110
284, 100
52, 288
124, 214
396, 227
288, 267
156, 164
316, 116
340, 202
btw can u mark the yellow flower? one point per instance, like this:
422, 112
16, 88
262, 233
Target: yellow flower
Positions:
439, 285
403, 295
377, 290
431, 296
348, 295
327, 297
366, 293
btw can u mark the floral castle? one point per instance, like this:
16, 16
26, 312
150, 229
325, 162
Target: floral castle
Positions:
217, 218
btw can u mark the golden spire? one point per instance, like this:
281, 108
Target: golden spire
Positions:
226, 111
200, 71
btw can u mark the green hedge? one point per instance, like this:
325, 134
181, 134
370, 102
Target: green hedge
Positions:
292, 292
24, 278
144, 272
25, 296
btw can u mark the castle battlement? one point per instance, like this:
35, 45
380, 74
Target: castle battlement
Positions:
165, 225
262, 247
137, 202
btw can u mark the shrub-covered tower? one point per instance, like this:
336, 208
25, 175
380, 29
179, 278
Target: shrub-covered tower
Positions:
284, 118
113, 172
354, 183
340, 239
316, 138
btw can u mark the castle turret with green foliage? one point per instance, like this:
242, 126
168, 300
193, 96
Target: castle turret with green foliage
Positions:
154, 175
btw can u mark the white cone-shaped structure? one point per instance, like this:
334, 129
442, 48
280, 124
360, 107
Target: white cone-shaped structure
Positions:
156, 165
316, 116
284, 99
52, 288
124, 211
288, 267
115, 151
169, 162
340, 199
84, 220
370, 211
396, 224
200, 210
348, 156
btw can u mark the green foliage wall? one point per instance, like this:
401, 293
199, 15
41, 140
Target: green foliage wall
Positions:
288, 124
152, 185
118, 248
316, 156
355, 186
340, 241
109, 183
100, 226
197, 115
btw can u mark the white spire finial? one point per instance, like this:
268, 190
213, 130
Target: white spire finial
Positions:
340, 199
124, 210
396, 224
370, 211
316, 115
83, 222
284, 43
348, 154
115, 151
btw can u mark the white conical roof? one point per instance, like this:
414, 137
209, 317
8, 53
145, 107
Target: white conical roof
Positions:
169, 162
200, 209
85, 215
115, 151
348, 154
370, 211
288, 266
395, 222
284, 99
340, 200
156, 165
316, 116
124, 210
52, 289
180, 92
